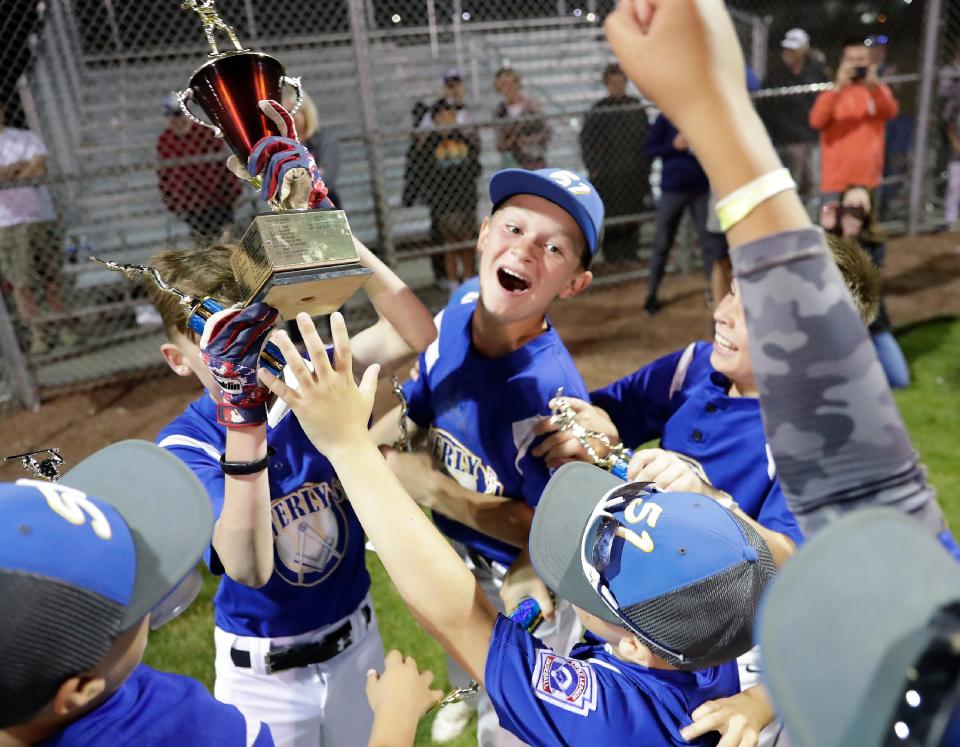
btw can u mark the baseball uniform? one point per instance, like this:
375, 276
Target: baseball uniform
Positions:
683, 401
592, 697
159, 709
480, 413
316, 604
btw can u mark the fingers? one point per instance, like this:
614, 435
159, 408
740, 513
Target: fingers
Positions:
368, 382
704, 722
639, 461
314, 345
393, 658
373, 679
342, 357
734, 734
552, 442
277, 387
280, 117
546, 424
295, 362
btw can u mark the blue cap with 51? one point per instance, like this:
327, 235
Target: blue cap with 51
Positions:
678, 570
565, 188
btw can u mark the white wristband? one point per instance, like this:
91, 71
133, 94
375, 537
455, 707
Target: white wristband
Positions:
741, 202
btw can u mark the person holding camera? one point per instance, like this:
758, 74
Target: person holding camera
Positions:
851, 119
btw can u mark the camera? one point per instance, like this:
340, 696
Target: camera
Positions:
860, 72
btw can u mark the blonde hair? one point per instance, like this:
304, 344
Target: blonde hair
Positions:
199, 273
311, 119
859, 274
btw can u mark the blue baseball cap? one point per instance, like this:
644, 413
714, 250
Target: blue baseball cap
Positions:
85, 559
678, 570
565, 188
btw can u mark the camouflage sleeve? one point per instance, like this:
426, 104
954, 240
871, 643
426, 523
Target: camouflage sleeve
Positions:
837, 438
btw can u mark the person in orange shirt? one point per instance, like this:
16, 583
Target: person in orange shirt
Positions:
851, 119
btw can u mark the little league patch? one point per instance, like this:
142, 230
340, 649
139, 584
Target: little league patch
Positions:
567, 683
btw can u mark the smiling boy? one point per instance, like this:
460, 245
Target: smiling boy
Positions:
487, 380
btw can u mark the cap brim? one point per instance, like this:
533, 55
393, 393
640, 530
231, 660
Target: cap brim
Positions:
851, 604
561, 517
509, 182
163, 503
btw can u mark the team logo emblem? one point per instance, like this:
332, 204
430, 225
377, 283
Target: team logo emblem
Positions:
310, 532
463, 465
566, 683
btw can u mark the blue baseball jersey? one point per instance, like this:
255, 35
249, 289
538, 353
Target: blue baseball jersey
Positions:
481, 412
159, 709
683, 401
592, 697
320, 574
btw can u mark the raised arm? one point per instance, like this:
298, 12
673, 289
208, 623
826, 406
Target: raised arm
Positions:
435, 584
837, 438
405, 325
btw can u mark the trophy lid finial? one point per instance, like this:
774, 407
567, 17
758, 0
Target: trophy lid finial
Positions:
211, 24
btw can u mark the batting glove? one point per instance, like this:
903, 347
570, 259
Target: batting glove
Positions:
289, 177
231, 344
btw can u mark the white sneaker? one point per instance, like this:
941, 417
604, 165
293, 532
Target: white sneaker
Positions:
451, 720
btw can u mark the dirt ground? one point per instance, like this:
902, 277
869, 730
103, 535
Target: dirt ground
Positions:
604, 330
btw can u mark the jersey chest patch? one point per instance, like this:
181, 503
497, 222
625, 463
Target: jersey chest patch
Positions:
463, 465
309, 532
566, 683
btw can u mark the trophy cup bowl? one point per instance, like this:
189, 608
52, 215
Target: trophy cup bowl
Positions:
229, 89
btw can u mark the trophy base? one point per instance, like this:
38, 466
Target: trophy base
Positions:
302, 260
317, 292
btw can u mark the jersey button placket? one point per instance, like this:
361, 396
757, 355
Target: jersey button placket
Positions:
697, 435
711, 408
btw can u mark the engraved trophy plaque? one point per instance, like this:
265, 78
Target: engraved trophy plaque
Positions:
294, 260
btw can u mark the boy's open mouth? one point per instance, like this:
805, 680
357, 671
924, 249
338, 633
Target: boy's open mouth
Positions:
512, 281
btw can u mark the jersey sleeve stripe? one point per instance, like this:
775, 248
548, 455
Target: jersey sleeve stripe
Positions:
433, 350
680, 372
192, 443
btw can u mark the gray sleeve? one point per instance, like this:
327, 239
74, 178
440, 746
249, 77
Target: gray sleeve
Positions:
837, 438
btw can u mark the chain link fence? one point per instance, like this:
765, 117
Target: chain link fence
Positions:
415, 103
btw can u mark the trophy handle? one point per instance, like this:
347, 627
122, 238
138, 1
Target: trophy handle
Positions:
297, 86
183, 97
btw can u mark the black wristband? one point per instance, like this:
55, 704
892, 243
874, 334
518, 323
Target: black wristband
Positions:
246, 468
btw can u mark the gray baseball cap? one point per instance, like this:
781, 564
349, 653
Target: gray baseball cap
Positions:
165, 506
847, 620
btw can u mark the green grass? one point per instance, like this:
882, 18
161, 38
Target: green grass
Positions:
929, 407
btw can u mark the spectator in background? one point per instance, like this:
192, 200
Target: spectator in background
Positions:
321, 143
450, 189
611, 142
851, 119
683, 186
29, 235
452, 92
202, 192
853, 217
786, 116
524, 134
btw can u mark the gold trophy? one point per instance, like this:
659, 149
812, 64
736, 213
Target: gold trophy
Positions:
294, 260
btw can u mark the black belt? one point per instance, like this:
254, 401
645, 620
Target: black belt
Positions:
292, 657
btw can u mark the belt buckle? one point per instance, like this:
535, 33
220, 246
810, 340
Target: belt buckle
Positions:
268, 659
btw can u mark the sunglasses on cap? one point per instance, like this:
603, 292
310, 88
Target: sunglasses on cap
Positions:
596, 548
927, 710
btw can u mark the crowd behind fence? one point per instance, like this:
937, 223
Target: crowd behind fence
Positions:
414, 106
